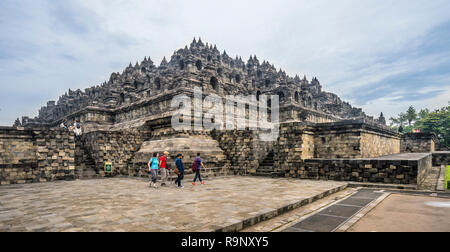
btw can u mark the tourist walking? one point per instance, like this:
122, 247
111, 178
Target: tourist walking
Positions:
179, 170
153, 170
196, 167
163, 168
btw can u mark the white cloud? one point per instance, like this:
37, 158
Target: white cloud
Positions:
391, 106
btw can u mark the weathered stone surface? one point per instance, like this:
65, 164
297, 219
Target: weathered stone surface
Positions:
394, 169
441, 158
29, 156
96, 148
418, 142
124, 204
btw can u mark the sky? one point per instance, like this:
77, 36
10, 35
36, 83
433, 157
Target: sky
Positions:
380, 55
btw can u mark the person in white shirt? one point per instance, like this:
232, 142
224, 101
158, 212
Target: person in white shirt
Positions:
77, 129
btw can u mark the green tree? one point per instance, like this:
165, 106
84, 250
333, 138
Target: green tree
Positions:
423, 113
394, 121
411, 115
437, 122
398, 121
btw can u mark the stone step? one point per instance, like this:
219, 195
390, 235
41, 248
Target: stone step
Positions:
262, 174
89, 173
265, 170
88, 177
265, 167
270, 174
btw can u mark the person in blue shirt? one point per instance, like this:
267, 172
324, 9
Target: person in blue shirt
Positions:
180, 167
153, 170
198, 164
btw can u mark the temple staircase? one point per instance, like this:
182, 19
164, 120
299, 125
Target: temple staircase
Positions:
85, 165
265, 168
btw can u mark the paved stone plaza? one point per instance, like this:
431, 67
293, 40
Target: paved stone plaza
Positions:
125, 204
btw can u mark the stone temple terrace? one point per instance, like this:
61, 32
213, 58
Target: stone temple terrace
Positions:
322, 139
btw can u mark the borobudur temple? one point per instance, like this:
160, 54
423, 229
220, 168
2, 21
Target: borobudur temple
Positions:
128, 118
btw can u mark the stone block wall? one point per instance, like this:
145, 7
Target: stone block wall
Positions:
303, 150
334, 144
354, 139
117, 147
299, 113
425, 166
441, 147
375, 144
308, 146
388, 171
38, 155
17, 146
243, 149
441, 158
295, 143
299, 141
418, 143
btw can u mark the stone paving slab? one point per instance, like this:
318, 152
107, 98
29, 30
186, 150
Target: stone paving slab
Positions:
125, 204
407, 213
318, 223
336, 215
287, 220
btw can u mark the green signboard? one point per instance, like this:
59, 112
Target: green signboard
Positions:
108, 167
447, 178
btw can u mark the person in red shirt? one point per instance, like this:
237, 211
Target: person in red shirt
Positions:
163, 168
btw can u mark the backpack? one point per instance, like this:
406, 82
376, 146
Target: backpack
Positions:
194, 166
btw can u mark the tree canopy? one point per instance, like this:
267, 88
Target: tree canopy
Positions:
437, 122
